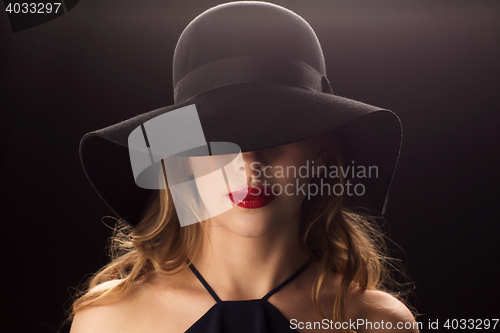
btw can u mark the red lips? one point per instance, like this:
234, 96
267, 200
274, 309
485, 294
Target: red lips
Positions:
252, 197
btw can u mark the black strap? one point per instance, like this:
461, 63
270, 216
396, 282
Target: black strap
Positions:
265, 298
249, 69
204, 283
287, 281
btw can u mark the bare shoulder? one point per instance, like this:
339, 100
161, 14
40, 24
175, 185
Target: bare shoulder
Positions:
382, 312
156, 304
111, 317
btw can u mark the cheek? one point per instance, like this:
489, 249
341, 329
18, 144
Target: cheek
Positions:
296, 165
214, 180
291, 180
298, 155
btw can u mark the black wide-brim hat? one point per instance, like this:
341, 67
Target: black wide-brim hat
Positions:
256, 74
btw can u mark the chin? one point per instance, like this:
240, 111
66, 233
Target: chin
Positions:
247, 223
256, 230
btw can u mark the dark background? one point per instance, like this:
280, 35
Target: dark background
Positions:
434, 63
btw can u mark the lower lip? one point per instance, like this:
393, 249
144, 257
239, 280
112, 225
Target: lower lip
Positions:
254, 202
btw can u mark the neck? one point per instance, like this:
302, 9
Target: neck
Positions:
239, 267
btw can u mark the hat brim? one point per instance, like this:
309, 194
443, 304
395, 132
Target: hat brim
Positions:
254, 116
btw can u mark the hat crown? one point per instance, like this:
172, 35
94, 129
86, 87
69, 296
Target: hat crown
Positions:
243, 29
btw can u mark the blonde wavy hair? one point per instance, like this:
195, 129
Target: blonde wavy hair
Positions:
339, 240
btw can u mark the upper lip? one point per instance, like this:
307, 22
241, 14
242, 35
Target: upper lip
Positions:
251, 191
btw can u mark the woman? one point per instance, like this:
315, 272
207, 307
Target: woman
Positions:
271, 164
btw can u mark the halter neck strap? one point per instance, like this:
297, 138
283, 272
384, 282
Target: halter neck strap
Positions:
204, 283
287, 281
265, 298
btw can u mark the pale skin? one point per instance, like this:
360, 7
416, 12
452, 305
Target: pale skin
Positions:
244, 254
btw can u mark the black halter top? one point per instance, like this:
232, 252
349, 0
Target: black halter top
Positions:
251, 316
